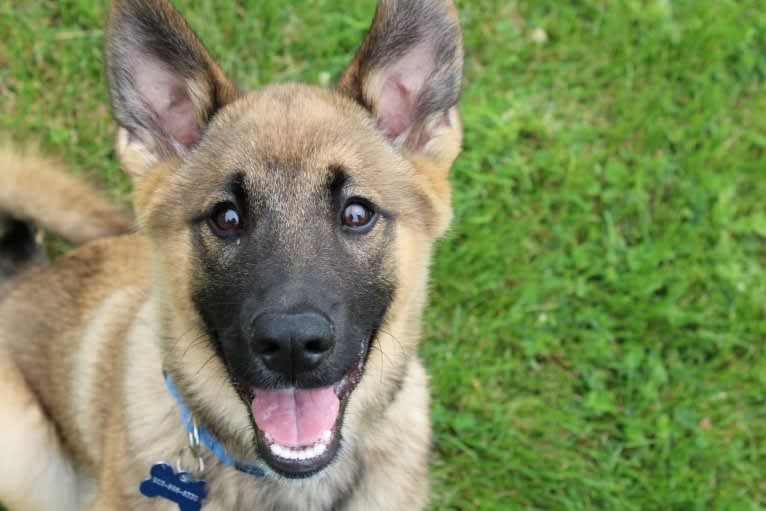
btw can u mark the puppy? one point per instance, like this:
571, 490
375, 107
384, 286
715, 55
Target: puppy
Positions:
258, 333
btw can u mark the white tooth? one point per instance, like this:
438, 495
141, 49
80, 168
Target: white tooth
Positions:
301, 454
268, 437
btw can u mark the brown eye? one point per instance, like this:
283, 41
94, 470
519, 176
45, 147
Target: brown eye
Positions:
226, 220
358, 216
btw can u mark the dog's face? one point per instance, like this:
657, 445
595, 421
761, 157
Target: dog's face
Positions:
291, 227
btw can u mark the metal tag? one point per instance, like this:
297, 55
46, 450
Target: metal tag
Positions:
180, 487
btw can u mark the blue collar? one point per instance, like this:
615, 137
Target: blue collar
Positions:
207, 439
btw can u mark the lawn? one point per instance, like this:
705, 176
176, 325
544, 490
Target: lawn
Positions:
597, 327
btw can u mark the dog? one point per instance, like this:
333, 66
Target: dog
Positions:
252, 342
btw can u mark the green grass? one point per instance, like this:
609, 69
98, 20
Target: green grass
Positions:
597, 328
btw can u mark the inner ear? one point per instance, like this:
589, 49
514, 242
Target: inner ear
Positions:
172, 110
402, 86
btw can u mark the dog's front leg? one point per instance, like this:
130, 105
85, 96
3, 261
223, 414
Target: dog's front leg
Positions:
35, 473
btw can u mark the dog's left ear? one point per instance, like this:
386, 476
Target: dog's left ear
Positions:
164, 85
408, 73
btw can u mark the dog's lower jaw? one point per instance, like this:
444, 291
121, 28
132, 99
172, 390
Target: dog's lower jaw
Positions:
367, 474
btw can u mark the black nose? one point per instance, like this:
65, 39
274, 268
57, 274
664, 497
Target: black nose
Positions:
292, 343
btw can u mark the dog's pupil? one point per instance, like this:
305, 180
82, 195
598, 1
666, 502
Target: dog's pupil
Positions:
356, 215
228, 219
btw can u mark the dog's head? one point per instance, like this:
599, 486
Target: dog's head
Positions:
291, 227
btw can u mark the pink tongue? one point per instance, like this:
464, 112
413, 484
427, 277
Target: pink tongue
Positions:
295, 417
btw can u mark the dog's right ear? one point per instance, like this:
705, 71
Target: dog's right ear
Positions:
163, 83
408, 72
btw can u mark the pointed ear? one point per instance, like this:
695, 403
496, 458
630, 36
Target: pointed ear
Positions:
408, 72
163, 83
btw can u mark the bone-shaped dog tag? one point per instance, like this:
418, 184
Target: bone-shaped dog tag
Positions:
180, 488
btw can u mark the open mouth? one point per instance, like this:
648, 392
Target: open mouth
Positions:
299, 429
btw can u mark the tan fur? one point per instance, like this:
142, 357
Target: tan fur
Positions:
34, 188
84, 342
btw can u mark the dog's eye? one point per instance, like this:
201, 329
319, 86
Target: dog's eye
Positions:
225, 220
358, 215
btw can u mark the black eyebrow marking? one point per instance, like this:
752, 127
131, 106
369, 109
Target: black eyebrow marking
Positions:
337, 179
236, 187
